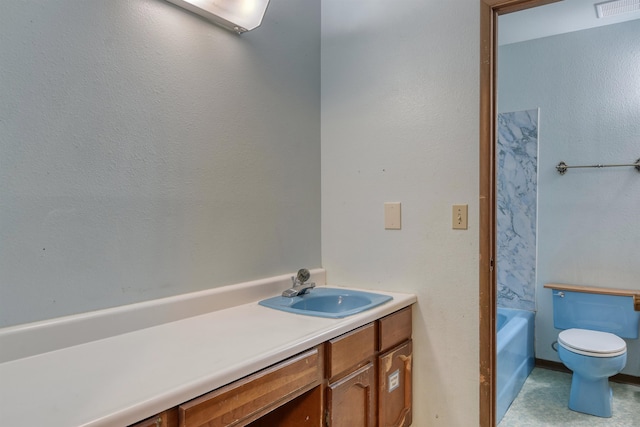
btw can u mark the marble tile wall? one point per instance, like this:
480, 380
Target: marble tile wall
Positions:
517, 208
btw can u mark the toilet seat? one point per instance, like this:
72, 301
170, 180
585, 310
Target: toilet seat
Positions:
592, 343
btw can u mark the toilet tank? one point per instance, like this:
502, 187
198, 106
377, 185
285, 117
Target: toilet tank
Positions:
598, 312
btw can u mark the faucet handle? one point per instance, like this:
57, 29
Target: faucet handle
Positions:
303, 275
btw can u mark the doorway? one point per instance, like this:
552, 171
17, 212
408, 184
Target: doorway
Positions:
489, 12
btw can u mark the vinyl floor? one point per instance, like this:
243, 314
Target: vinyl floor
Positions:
544, 398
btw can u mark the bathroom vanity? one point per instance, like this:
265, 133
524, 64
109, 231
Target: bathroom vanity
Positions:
214, 358
361, 378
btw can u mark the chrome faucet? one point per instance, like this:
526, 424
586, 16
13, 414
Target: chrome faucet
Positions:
299, 287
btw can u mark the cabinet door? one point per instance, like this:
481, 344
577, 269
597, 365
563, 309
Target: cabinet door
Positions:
394, 390
351, 400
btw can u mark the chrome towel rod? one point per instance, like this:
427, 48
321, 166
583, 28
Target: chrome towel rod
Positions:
562, 166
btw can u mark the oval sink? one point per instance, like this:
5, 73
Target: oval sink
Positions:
328, 302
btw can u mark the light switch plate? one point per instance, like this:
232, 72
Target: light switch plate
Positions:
392, 216
459, 218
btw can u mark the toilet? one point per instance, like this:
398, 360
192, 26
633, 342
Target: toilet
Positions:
591, 345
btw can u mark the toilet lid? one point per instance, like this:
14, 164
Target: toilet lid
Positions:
592, 343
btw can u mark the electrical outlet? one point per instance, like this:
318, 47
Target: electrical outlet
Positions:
459, 218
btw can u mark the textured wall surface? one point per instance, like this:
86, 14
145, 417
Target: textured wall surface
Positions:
145, 152
400, 123
587, 86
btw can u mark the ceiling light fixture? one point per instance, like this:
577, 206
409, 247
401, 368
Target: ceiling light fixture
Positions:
616, 7
235, 15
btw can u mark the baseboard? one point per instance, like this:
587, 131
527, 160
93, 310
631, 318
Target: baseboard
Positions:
558, 366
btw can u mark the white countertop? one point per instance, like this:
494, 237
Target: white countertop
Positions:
125, 378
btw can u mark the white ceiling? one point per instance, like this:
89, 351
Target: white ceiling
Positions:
555, 18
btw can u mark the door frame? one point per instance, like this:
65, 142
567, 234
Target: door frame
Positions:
489, 12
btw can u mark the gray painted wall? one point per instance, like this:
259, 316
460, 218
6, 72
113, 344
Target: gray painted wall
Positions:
587, 87
145, 152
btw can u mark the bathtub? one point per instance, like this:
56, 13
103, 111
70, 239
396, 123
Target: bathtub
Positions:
514, 353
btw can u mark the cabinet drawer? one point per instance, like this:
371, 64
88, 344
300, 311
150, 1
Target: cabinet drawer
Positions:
248, 398
348, 350
394, 329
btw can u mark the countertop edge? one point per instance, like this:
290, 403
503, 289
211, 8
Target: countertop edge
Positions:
207, 384
149, 399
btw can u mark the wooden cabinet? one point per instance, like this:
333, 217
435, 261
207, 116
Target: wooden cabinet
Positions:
394, 329
303, 411
394, 390
349, 351
394, 370
245, 400
351, 393
351, 400
369, 374
168, 418
359, 379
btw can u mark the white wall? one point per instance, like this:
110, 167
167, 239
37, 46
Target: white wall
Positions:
400, 90
145, 152
587, 85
